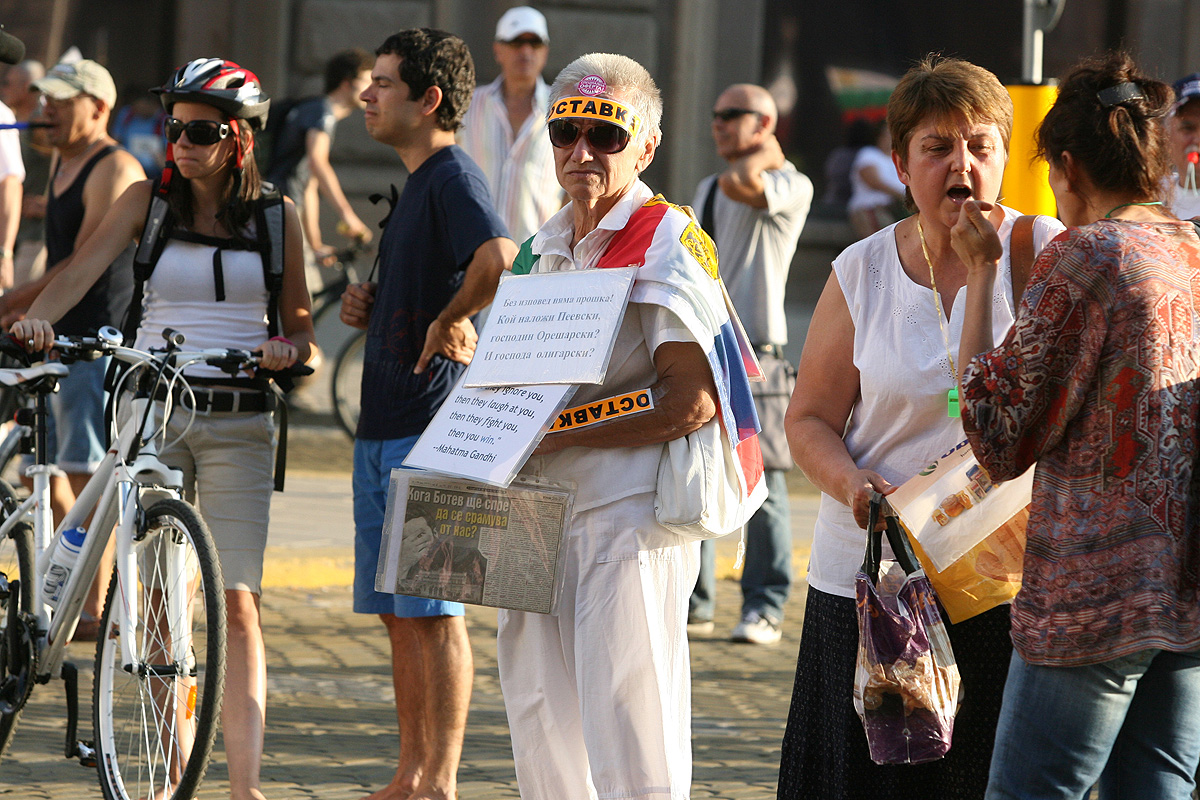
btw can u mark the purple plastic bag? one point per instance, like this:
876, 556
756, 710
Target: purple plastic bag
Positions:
906, 683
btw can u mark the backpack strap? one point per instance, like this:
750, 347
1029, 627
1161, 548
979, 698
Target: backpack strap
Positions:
155, 231
1020, 256
270, 240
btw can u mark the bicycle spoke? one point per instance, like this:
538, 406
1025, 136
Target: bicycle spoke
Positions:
155, 721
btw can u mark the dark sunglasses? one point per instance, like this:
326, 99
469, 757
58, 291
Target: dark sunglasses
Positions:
726, 114
200, 131
603, 137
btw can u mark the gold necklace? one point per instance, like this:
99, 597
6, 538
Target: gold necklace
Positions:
952, 408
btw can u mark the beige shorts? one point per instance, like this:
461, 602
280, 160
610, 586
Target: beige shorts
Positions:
228, 463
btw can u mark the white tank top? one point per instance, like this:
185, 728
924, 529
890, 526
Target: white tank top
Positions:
899, 423
181, 294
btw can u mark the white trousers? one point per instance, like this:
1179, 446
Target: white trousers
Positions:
599, 695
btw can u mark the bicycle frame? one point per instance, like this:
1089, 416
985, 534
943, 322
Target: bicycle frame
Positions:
114, 492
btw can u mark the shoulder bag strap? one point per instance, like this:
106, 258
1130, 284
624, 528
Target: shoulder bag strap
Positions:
708, 216
1020, 256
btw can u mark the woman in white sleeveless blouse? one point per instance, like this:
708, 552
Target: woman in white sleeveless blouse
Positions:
872, 407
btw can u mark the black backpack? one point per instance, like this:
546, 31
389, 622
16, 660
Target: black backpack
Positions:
158, 228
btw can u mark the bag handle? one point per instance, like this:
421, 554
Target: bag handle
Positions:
896, 538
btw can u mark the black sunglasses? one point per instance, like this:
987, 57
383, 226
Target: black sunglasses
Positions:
200, 131
726, 114
603, 137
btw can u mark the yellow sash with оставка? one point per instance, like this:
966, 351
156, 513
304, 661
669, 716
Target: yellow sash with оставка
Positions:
600, 109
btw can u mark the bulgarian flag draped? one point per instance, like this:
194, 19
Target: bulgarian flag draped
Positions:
677, 269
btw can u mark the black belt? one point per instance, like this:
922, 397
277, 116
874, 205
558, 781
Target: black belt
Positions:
209, 400
775, 350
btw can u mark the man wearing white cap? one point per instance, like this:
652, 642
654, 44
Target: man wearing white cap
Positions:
504, 130
1183, 127
90, 173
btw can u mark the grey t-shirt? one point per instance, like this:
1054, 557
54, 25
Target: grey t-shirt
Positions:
755, 248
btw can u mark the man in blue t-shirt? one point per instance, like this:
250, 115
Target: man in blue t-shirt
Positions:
441, 255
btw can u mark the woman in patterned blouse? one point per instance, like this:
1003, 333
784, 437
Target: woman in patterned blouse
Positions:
1097, 383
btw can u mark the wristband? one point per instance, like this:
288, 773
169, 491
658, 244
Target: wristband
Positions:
283, 339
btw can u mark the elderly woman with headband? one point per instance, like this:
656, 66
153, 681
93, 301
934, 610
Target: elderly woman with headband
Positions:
599, 694
1096, 382
875, 402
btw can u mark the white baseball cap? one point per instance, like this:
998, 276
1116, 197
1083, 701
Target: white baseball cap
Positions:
521, 20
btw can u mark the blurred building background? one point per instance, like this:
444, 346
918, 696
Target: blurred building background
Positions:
825, 61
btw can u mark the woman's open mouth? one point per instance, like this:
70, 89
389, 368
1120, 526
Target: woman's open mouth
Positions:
959, 194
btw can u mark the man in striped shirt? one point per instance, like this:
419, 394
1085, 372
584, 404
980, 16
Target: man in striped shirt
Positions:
504, 130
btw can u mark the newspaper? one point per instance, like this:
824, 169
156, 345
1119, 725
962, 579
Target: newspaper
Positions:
450, 539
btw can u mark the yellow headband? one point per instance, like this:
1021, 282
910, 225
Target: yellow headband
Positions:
597, 108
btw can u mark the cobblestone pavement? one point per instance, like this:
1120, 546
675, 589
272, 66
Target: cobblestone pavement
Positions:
331, 730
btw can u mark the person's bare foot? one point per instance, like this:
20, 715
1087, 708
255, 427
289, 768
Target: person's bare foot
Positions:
401, 788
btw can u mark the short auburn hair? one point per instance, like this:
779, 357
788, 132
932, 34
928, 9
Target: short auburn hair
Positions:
944, 88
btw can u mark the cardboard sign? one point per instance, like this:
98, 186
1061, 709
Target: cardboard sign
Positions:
487, 434
549, 328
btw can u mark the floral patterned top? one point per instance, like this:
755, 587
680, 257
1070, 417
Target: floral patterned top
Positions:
1097, 383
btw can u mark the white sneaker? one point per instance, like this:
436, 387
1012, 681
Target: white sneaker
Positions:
699, 627
756, 628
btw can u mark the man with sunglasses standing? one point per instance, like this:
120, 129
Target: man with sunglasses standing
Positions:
440, 257
754, 210
505, 127
89, 173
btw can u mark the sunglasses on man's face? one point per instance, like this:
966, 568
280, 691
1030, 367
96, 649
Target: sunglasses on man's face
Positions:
726, 114
199, 131
602, 137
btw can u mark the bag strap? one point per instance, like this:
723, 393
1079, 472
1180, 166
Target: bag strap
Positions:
896, 538
708, 216
1020, 256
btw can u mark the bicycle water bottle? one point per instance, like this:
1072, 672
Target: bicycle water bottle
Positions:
62, 561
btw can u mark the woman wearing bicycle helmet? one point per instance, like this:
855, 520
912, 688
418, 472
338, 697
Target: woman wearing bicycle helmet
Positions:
209, 270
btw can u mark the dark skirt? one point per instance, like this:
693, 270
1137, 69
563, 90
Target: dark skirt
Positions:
825, 752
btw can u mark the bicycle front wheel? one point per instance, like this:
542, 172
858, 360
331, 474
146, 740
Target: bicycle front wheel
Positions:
155, 719
347, 383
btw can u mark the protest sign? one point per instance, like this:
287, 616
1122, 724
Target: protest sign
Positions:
551, 328
487, 434
449, 539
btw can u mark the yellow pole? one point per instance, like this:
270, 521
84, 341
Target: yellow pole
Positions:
1026, 181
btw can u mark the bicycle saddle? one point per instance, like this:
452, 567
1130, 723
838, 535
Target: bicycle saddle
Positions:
52, 369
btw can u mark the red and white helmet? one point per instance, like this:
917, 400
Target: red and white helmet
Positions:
222, 84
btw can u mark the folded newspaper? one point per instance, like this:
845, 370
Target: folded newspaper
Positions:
451, 539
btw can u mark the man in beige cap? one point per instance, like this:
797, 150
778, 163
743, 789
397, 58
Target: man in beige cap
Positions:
90, 172
504, 130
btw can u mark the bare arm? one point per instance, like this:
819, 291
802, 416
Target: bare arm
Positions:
68, 281
827, 387
107, 182
742, 182
317, 143
685, 399
870, 176
10, 219
452, 334
310, 221
976, 242
295, 307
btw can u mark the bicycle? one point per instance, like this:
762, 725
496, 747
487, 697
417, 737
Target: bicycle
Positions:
160, 654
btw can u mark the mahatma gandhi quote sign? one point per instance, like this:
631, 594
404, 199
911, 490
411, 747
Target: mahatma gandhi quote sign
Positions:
555, 327
487, 434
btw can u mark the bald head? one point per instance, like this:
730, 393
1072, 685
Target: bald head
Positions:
753, 98
743, 121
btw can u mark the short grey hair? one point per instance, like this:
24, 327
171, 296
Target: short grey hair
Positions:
623, 74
